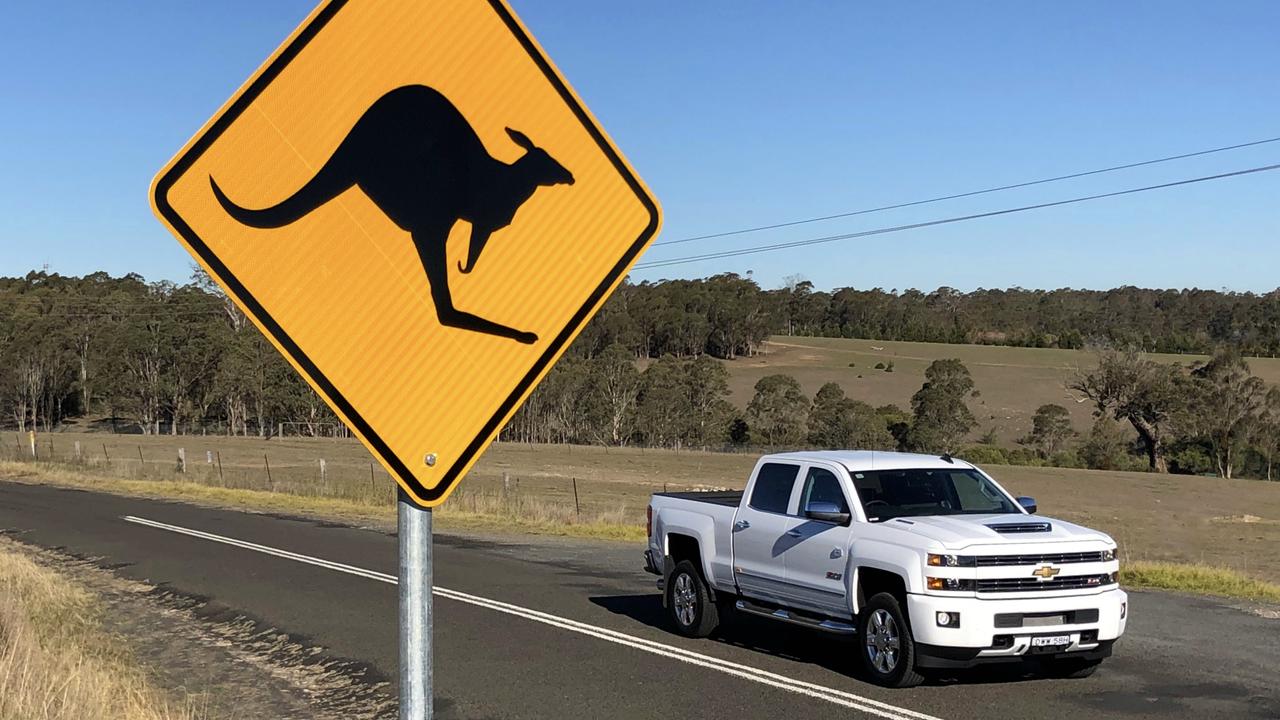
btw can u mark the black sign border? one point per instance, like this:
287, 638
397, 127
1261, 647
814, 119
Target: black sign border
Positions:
421, 494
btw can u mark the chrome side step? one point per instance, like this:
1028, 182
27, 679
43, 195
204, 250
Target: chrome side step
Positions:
824, 624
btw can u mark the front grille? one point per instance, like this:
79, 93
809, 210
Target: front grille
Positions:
1039, 558
1028, 527
1069, 617
1031, 584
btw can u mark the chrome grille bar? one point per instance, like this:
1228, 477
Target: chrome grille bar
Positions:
1038, 558
1031, 584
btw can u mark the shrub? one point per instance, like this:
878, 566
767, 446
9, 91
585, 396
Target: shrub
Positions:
1067, 459
984, 455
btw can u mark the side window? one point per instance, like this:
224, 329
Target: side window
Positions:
822, 486
773, 487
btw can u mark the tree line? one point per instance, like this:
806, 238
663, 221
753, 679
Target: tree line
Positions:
154, 357
727, 316
163, 357
1212, 417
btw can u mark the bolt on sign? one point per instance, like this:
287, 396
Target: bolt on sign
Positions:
410, 201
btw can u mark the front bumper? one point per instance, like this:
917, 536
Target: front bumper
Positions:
1093, 623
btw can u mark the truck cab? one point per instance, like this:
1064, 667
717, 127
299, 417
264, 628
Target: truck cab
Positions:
926, 560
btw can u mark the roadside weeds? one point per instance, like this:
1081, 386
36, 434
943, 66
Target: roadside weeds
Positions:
57, 662
1197, 579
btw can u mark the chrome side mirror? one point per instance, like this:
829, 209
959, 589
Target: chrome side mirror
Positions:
1028, 504
827, 512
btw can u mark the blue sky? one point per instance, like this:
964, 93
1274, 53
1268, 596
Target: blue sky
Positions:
739, 114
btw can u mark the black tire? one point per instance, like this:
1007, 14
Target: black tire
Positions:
689, 602
1072, 669
885, 645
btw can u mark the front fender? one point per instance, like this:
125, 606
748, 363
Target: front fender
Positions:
901, 561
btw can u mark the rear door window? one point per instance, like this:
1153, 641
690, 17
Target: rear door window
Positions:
774, 483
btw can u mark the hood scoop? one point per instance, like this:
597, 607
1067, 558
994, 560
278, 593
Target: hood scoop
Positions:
1023, 527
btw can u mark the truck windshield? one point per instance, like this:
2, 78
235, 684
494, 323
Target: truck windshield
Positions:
887, 494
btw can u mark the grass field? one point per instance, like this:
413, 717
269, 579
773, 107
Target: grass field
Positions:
1232, 524
1012, 381
56, 660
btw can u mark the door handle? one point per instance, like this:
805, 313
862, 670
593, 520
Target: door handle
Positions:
794, 533
741, 525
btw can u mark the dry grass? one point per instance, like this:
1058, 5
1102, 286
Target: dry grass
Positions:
1200, 579
56, 662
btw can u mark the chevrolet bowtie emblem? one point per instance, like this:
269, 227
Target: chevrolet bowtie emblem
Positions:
1045, 572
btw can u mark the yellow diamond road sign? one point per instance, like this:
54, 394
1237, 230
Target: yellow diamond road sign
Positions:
416, 208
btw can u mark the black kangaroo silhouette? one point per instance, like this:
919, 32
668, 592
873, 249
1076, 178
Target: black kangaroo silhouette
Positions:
419, 160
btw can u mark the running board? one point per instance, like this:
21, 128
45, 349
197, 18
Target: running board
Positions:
823, 624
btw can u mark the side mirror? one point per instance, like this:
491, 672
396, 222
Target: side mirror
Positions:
1028, 504
827, 512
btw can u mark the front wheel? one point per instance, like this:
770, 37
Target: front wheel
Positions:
689, 602
887, 650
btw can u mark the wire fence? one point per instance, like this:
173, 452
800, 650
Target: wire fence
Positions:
301, 469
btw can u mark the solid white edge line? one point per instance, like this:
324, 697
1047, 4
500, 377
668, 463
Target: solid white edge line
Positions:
819, 692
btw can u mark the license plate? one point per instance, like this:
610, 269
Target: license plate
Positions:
1050, 641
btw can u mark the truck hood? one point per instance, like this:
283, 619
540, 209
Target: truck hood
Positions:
959, 531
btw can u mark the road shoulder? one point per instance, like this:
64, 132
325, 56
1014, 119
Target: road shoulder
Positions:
222, 661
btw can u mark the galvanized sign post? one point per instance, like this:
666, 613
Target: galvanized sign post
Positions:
416, 618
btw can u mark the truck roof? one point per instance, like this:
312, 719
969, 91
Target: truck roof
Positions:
864, 460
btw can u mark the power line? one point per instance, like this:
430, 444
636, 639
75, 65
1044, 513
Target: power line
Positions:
962, 218
970, 193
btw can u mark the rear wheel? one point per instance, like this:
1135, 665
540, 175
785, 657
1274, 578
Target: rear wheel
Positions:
888, 653
689, 602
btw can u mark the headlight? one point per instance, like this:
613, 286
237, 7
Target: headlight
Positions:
950, 584
951, 560
1108, 555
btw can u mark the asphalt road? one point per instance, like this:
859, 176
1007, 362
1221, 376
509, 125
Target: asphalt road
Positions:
542, 628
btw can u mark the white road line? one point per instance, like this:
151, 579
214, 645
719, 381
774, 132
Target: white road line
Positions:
764, 677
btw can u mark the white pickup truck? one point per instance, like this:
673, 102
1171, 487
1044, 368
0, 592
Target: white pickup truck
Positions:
926, 560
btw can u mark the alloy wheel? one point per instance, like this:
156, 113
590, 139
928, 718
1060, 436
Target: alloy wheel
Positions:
882, 641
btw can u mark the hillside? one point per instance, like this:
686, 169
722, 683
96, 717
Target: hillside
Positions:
1013, 381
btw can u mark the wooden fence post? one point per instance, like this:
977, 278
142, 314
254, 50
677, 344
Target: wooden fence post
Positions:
577, 508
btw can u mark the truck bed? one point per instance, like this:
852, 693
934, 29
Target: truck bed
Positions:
730, 498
